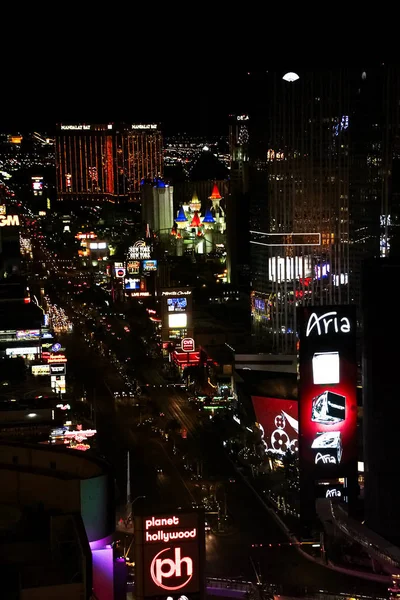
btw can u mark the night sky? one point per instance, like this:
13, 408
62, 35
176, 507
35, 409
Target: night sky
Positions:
98, 76
196, 101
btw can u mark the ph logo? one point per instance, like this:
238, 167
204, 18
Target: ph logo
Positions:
164, 568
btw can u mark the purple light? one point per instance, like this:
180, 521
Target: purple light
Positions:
101, 544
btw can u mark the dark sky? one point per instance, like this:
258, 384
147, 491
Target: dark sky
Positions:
197, 100
72, 76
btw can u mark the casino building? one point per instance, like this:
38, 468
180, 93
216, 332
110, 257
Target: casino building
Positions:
106, 162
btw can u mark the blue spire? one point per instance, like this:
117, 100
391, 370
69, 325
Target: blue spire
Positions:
208, 218
181, 218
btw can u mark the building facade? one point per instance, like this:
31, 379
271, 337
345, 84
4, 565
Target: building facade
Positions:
299, 199
158, 206
107, 161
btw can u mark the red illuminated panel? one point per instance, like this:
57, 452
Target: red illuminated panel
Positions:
279, 421
109, 165
186, 357
328, 402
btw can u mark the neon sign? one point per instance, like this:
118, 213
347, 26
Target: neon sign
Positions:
334, 493
74, 127
9, 221
175, 293
315, 322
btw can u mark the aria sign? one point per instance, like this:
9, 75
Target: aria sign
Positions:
324, 323
9, 221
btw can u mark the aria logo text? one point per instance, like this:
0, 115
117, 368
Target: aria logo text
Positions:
162, 569
327, 323
333, 493
325, 459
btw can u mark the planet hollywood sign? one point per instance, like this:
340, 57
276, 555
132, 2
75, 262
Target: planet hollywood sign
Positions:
170, 569
169, 555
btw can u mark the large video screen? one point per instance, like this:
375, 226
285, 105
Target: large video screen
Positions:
278, 421
177, 320
177, 304
132, 284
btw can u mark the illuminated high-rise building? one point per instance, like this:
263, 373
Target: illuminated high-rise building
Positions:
158, 206
106, 162
324, 188
299, 199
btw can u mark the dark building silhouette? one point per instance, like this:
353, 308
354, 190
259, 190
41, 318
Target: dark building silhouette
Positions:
381, 334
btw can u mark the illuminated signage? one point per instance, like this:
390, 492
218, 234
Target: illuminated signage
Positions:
149, 265
119, 272
56, 347
86, 236
28, 334
176, 304
54, 358
187, 344
175, 293
327, 397
133, 267
277, 419
2, 209
75, 127
242, 117
145, 126
140, 294
22, 351
132, 284
59, 369
9, 221
169, 555
139, 251
98, 245
326, 322
40, 369
178, 320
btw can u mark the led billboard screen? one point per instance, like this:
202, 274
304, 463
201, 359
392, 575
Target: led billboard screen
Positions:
278, 420
179, 320
149, 265
176, 304
132, 284
327, 387
169, 555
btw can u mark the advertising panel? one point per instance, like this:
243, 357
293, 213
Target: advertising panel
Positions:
119, 272
40, 369
169, 555
133, 267
132, 284
187, 345
28, 334
177, 320
56, 369
176, 304
328, 402
278, 421
149, 265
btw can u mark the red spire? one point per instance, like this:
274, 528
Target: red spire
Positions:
196, 220
215, 195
